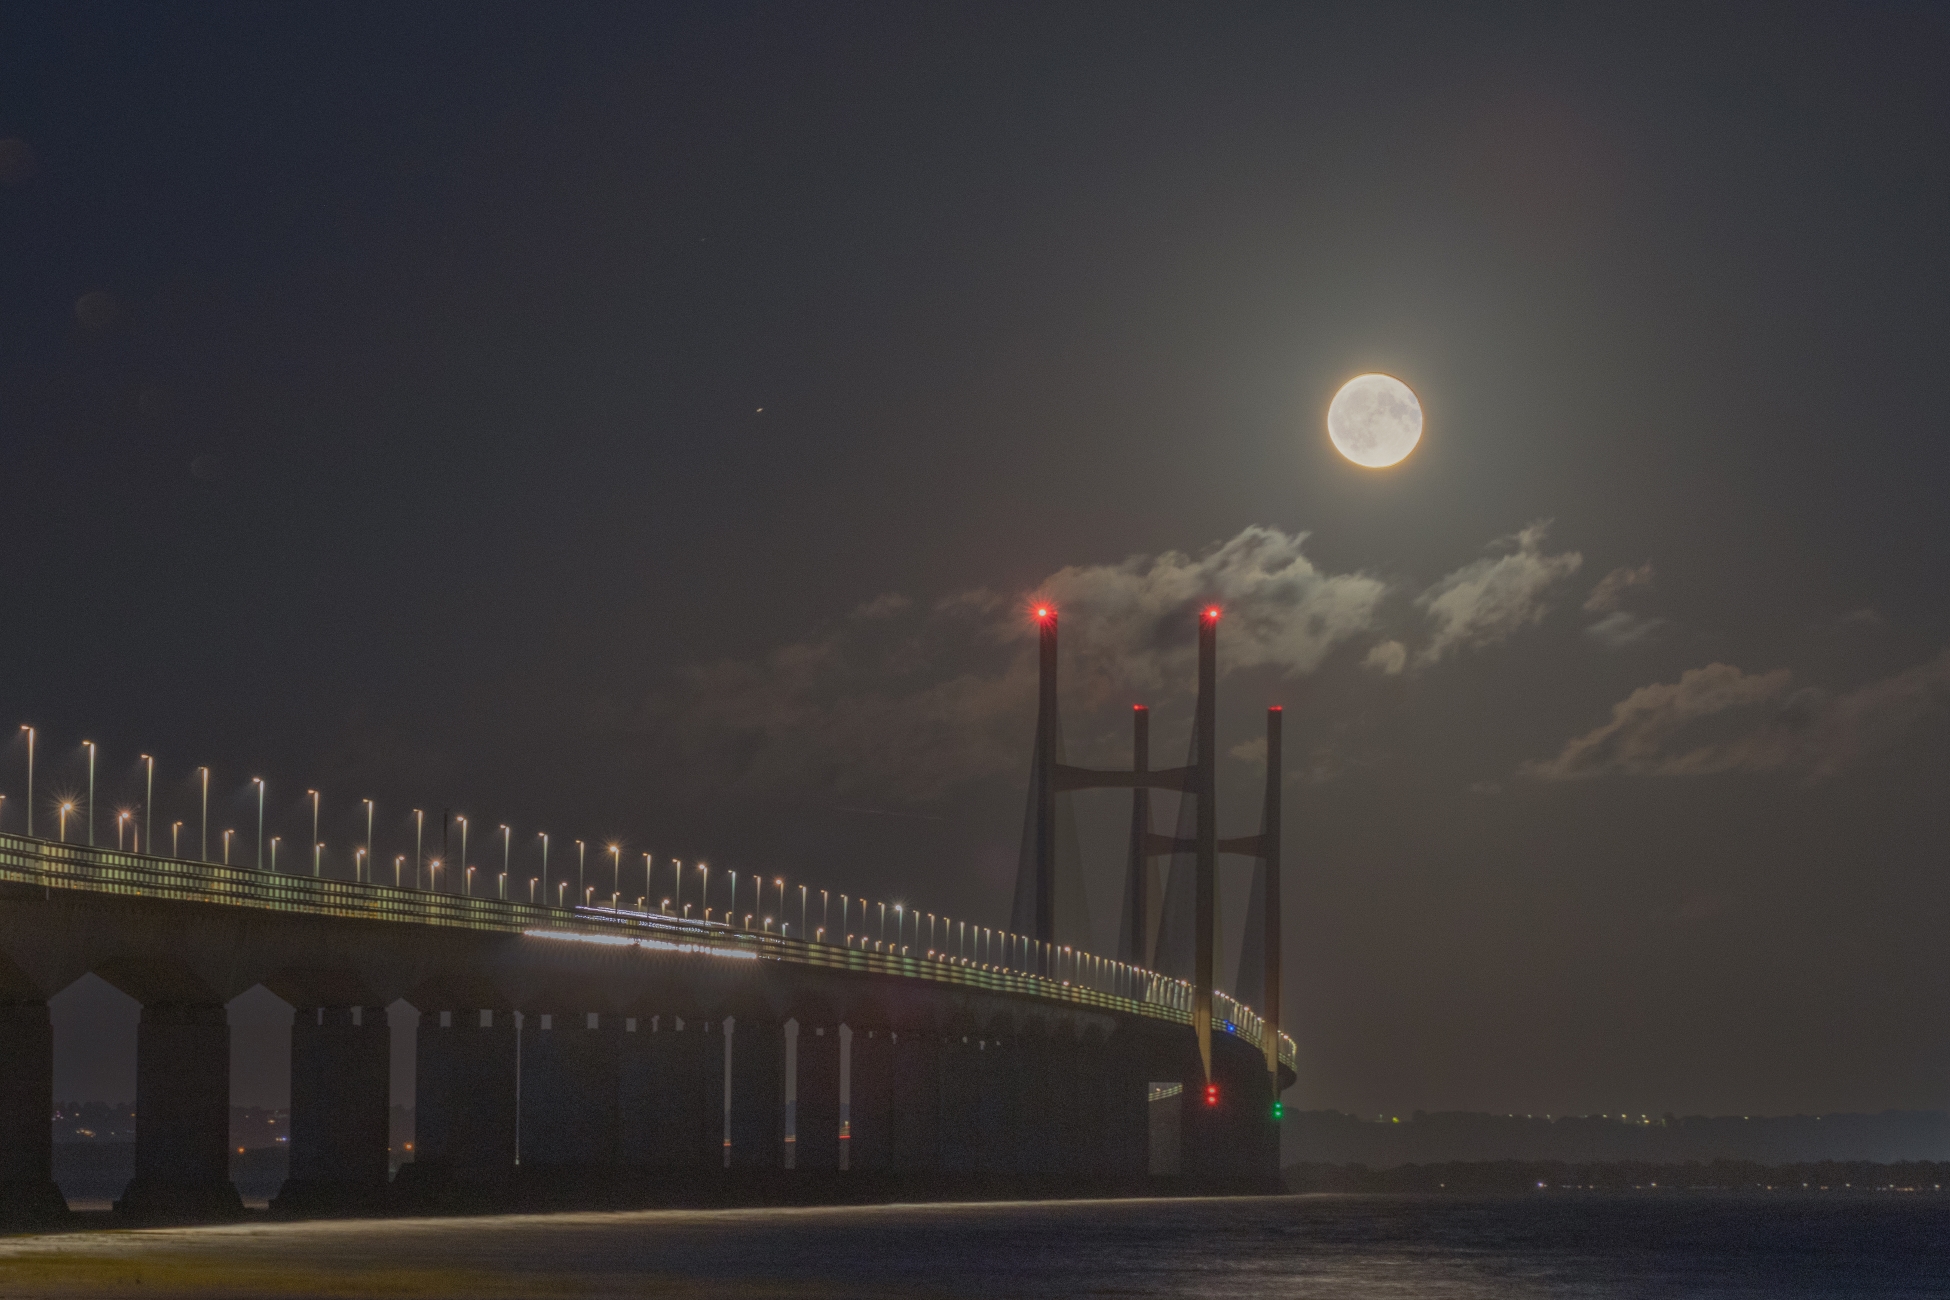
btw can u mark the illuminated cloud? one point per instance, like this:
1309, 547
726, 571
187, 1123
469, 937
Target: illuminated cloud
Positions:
1488, 600
1718, 719
906, 700
1609, 594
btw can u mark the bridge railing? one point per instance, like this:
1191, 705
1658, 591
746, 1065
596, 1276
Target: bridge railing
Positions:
1079, 979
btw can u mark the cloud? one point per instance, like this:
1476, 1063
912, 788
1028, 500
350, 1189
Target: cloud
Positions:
904, 699
1621, 628
1718, 719
1387, 658
1486, 601
1609, 594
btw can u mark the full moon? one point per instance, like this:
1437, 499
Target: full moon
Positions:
1375, 420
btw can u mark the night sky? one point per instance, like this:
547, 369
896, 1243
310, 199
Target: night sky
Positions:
651, 422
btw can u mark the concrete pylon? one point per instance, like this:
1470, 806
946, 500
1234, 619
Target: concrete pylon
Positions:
341, 1090
182, 1115
28, 1196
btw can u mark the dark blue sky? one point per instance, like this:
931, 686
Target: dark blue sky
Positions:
531, 411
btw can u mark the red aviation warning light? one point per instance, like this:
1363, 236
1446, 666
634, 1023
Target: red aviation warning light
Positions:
1211, 1094
1044, 613
1212, 613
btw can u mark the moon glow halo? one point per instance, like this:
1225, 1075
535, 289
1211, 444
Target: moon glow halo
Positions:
1375, 420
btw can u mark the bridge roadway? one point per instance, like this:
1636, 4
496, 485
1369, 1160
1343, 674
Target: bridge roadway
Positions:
656, 1060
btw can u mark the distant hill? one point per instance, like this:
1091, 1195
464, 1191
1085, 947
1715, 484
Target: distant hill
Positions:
1329, 1137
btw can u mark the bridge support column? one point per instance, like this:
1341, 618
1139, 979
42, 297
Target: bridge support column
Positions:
182, 1114
341, 1087
960, 1083
27, 1192
569, 1093
684, 1075
870, 1096
757, 1120
816, 1111
464, 1104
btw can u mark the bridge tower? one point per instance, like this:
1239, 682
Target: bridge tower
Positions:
1050, 776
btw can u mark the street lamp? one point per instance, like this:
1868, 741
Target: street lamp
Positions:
258, 781
467, 875
274, 853
203, 851
802, 912
616, 872
318, 849
121, 828
148, 806
369, 812
469, 878
30, 779
359, 865
419, 829
731, 913
507, 856
175, 839
67, 806
226, 845
544, 837
582, 859
399, 864
91, 792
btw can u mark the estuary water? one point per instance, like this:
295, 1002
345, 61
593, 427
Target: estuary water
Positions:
1701, 1246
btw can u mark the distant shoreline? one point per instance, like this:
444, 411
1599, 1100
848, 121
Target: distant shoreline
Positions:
1478, 1176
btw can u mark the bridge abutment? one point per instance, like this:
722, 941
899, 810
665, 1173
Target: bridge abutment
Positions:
28, 1194
341, 1087
182, 1115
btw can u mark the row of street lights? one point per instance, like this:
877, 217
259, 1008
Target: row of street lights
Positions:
976, 946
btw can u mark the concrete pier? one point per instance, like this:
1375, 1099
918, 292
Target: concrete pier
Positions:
816, 1126
756, 1121
182, 1115
28, 1195
464, 1102
341, 1059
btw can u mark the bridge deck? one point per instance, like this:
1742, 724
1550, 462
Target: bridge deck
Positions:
81, 869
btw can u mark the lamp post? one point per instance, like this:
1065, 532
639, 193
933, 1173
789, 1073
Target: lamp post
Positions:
704, 870
507, 856
544, 836
175, 839
582, 862
359, 865
467, 872
318, 849
67, 806
616, 873
731, 913
148, 806
825, 915
274, 853
369, 812
226, 845
803, 895
258, 781
121, 828
203, 851
91, 791
419, 829
30, 779
399, 865
648, 889
468, 878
